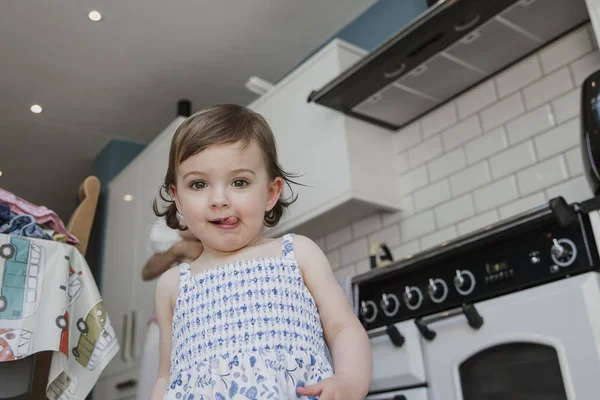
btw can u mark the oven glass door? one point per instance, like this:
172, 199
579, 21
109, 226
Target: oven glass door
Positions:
539, 343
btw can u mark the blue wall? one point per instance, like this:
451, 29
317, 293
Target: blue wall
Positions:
381, 21
378, 23
115, 156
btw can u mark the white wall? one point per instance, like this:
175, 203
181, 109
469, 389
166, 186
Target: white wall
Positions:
506, 146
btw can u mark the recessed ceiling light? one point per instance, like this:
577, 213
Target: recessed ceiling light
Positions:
128, 197
36, 109
95, 16
0, 173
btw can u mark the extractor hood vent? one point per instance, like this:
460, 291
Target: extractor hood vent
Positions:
453, 46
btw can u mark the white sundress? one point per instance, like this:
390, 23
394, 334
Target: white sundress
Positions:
246, 330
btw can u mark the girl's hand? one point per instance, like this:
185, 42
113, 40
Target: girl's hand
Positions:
334, 388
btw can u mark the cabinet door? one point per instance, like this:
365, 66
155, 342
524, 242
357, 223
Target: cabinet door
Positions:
154, 166
119, 387
119, 259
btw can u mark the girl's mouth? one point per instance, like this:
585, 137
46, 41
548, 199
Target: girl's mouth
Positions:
226, 223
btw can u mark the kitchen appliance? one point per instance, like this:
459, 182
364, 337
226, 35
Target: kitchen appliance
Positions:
508, 312
590, 130
451, 47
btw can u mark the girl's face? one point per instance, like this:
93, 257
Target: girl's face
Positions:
223, 193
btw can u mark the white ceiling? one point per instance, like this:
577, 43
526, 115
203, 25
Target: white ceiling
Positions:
122, 77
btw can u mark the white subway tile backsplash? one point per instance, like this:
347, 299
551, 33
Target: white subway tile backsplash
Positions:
470, 178
405, 250
565, 50
575, 161
518, 76
559, 139
454, 210
542, 175
567, 106
437, 238
432, 195
495, 194
584, 67
446, 164
505, 147
425, 151
363, 266
407, 137
413, 180
366, 226
502, 111
389, 235
476, 99
417, 225
461, 133
401, 163
574, 190
333, 257
439, 119
512, 159
547, 88
522, 205
533, 122
346, 272
337, 238
407, 208
486, 145
478, 222
354, 251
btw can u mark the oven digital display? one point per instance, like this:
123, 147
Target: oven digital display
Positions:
496, 267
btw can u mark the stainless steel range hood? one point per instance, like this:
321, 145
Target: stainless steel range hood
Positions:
450, 48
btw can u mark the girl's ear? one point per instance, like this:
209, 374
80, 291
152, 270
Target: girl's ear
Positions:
275, 188
173, 192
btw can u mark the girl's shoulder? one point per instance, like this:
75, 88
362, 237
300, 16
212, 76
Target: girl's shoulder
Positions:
304, 249
168, 284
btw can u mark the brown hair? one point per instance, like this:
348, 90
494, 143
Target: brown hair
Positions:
222, 124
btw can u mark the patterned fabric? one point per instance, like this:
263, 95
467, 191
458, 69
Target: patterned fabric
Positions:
246, 330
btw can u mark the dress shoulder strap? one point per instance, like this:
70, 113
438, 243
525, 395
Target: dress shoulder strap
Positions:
184, 272
287, 246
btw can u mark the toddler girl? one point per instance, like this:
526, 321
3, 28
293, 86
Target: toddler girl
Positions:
252, 316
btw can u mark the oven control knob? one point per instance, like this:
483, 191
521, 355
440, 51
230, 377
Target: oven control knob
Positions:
368, 310
464, 281
390, 304
438, 290
412, 297
563, 252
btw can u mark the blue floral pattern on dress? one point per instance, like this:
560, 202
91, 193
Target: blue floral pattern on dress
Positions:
246, 330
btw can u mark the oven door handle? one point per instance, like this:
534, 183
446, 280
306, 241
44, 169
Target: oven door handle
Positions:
395, 397
474, 319
393, 333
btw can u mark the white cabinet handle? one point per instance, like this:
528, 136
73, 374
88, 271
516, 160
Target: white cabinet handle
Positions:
124, 338
132, 349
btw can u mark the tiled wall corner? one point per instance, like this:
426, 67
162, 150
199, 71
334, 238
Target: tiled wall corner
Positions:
506, 146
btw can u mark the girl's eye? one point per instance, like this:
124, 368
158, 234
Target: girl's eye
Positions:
240, 183
198, 185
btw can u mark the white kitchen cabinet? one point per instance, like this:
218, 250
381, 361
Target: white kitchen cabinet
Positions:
347, 164
129, 300
593, 7
118, 387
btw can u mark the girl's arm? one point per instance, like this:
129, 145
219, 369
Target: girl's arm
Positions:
166, 294
345, 336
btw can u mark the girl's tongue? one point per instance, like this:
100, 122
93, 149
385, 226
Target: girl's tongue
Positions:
226, 221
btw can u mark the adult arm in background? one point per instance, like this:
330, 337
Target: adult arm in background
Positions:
169, 247
182, 251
